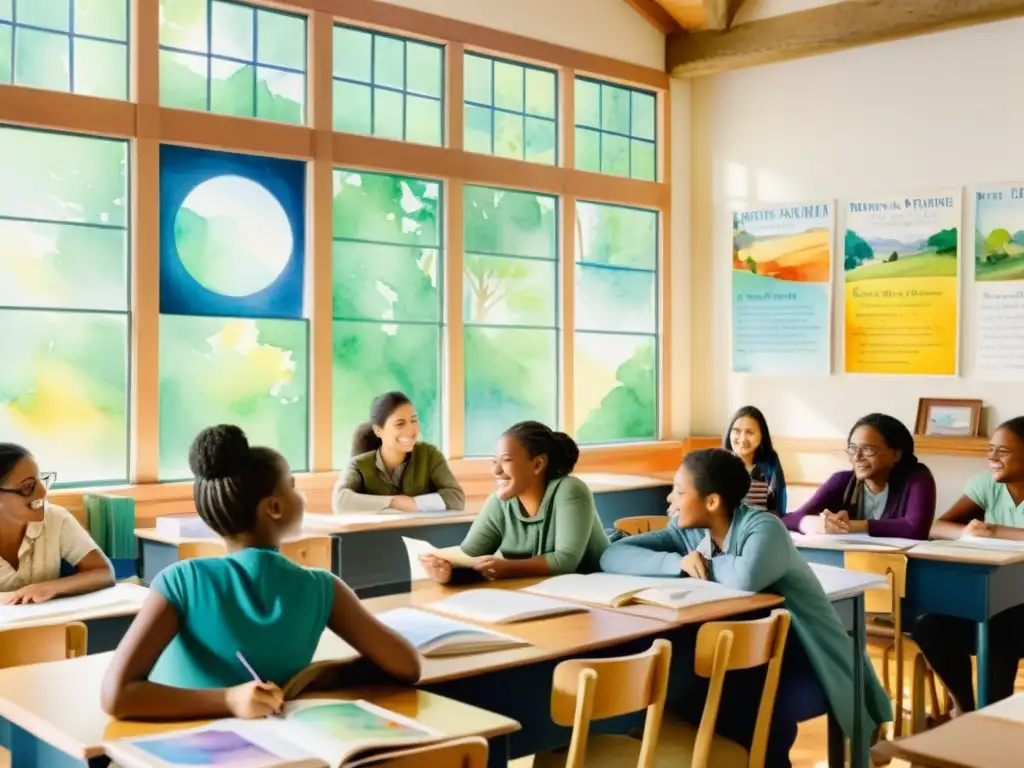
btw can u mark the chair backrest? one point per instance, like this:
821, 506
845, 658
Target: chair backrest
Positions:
595, 689
312, 552
641, 524
35, 645
724, 646
893, 566
190, 549
470, 752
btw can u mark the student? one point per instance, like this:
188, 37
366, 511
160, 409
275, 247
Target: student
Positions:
390, 469
718, 538
540, 522
178, 660
993, 507
35, 536
748, 437
887, 493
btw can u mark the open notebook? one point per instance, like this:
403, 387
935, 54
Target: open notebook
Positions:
313, 733
439, 636
616, 590
503, 606
118, 599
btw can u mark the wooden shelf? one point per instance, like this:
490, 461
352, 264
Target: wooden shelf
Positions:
964, 447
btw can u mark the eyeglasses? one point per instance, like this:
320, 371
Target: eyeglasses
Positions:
26, 489
867, 451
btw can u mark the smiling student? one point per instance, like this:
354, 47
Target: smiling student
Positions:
178, 660
719, 538
888, 492
391, 469
35, 536
992, 507
541, 521
748, 437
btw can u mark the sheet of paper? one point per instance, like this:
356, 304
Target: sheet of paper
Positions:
842, 582
127, 596
961, 550
422, 628
416, 548
1011, 709
598, 588
982, 542
851, 541
497, 606
430, 502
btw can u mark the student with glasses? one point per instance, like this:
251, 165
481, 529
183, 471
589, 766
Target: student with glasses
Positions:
36, 536
888, 492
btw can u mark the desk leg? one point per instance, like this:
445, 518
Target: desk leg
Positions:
857, 751
497, 752
982, 663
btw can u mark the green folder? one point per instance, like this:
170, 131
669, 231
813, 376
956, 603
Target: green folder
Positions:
111, 522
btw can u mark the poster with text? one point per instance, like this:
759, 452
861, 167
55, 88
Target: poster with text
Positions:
999, 283
901, 267
781, 290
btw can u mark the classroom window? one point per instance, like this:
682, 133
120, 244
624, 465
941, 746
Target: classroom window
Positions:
64, 226
510, 312
511, 110
78, 46
615, 130
387, 278
232, 59
616, 336
233, 336
388, 86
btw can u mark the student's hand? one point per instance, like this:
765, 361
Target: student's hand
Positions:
33, 593
979, 528
694, 565
254, 699
404, 504
439, 570
835, 522
493, 567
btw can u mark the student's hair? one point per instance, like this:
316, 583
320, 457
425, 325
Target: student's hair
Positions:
363, 439
765, 452
716, 470
898, 438
10, 455
540, 440
232, 478
1015, 425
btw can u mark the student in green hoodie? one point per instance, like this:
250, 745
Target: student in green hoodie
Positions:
391, 469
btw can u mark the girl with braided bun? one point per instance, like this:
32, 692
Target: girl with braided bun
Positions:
180, 658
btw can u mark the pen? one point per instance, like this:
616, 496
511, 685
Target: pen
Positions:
248, 667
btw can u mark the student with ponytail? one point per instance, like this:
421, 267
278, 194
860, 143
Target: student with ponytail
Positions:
887, 493
36, 536
391, 469
179, 659
541, 521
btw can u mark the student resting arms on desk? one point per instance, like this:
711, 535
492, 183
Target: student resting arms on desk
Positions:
748, 437
391, 469
887, 493
178, 659
719, 538
992, 506
35, 536
541, 521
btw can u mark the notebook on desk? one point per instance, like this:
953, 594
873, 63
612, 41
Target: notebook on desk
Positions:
852, 540
617, 590
439, 636
840, 583
503, 606
313, 733
128, 597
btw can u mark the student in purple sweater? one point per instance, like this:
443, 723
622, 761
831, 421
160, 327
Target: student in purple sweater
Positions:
888, 493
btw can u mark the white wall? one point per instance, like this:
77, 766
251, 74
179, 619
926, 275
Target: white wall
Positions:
934, 111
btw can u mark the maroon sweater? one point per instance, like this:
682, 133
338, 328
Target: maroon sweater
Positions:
909, 509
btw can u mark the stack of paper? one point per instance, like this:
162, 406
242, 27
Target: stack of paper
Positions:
502, 606
183, 527
123, 598
437, 636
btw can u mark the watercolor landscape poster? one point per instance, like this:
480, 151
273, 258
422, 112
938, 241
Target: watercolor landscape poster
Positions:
781, 290
901, 268
999, 282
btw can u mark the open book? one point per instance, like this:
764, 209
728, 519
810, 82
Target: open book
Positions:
502, 606
313, 733
120, 599
616, 590
438, 636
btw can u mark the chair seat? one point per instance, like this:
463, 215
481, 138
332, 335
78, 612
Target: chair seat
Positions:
675, 750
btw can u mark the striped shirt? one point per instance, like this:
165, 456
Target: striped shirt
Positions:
757, 496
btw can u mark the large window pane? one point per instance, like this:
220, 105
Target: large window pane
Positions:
616, 387
253, 373
615, 129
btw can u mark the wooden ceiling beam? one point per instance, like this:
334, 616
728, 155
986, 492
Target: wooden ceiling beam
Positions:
823, 30
718, 14
656, 16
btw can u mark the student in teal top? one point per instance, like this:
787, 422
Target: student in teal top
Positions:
717, 537
178, 659
541, 521
992, 507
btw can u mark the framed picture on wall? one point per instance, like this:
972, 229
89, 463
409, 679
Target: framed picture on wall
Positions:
948, 418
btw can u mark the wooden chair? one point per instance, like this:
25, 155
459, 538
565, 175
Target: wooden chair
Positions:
312, 552
35, 645
470, 752
641, 524
595, 689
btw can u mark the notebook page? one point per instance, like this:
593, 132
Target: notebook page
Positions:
422, 628
500, 606
415, 549
851, 540
688, 592
128, 596
839, 583
958, 549
983, 542
597, 588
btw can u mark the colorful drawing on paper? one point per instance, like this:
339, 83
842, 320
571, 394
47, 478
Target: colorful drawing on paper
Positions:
781, 284
901, 265
350, 721
998, 283
210, 749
